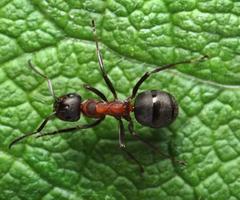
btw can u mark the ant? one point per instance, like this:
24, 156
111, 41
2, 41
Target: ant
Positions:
151, 108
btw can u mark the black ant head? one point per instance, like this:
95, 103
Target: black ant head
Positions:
68, 107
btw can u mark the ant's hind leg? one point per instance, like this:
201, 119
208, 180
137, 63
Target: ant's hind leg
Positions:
136, 136
148, 144
161, 68
123, 147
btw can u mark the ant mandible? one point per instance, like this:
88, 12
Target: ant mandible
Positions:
151, 108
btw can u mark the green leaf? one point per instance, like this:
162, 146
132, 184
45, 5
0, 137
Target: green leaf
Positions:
135, 36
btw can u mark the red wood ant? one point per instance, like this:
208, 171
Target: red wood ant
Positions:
151, 108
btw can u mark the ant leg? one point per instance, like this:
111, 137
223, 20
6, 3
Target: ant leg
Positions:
136, 136
85, 126
148, 144
100, 62
123, 147
121, 133
161, 68
42, 125
96, 91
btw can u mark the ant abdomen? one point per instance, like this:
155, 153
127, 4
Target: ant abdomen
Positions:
155, 108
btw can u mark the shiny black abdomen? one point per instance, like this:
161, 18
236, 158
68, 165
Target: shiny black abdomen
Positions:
155, 108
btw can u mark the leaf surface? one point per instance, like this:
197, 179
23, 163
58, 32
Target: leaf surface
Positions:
135, 36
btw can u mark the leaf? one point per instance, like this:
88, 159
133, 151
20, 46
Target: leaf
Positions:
135, 36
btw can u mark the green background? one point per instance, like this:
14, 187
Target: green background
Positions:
135, 36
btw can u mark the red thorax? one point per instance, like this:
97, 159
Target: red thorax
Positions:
96, 109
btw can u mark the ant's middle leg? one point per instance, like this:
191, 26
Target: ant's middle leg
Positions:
123, 147
101, 65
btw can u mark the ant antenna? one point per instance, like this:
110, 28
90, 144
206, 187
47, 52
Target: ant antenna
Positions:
44, 76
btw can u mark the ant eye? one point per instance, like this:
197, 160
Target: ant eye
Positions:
67, 107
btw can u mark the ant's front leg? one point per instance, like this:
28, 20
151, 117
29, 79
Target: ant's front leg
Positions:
95, 91
42, 125
85, 126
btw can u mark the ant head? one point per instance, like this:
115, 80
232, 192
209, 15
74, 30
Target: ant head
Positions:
68, 107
